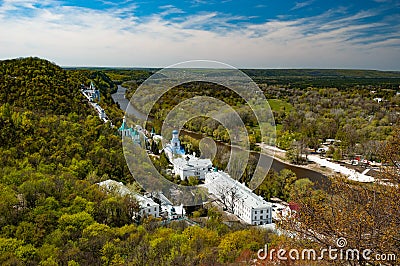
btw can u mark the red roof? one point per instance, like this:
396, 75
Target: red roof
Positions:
294, 206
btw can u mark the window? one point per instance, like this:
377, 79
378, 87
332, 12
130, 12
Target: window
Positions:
255, 217
155, 209
261, 217
255, 212
261, 211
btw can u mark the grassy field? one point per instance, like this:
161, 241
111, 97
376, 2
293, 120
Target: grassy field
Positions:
279, 105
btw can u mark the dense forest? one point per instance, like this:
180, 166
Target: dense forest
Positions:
326, 78
54, 149
360, 114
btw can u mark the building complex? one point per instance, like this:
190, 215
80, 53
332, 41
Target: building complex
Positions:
237, 198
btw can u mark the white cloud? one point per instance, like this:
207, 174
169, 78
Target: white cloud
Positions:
170, 9
302, 4
82, 36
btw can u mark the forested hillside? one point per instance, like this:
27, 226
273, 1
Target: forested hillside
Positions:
53, 148
34, 84
53, 151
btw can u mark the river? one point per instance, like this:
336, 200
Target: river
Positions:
319, 179
119, 97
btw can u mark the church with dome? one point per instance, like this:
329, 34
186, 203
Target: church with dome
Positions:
174, 148
126, 131
186, 165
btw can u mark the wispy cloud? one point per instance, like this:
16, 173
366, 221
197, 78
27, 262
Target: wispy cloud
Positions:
302, 4
200, 2
170, 9
73, 35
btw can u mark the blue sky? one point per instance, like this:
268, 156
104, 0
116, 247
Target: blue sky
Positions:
245, 34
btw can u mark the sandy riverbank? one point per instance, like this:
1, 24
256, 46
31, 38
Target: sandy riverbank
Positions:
320, 165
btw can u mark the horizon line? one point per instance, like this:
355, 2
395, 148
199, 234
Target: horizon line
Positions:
240, 68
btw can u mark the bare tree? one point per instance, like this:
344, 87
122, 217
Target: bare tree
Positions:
228, 196
222, 196
234, 196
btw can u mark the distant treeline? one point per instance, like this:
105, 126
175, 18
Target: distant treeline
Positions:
300, 78
332, 78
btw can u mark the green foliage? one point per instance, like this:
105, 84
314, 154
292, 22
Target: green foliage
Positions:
340, 78
53, 149
277, 185
279, 105
232, 244
78, 221
40, 86
301, 188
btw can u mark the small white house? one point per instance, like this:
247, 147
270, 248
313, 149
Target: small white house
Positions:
331, 142
171, 211
322, 150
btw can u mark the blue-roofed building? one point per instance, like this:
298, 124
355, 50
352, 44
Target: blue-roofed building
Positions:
176, 144
174, 148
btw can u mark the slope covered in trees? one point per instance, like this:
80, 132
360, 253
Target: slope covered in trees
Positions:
53, 151
35, 84
53, 148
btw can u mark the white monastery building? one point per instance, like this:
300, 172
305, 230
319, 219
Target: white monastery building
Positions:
169, 210
147, 205
190, 165
249, 207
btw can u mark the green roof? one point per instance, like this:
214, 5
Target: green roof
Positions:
124, 126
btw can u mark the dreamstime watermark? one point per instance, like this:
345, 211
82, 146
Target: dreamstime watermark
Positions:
340, 252
148, 94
